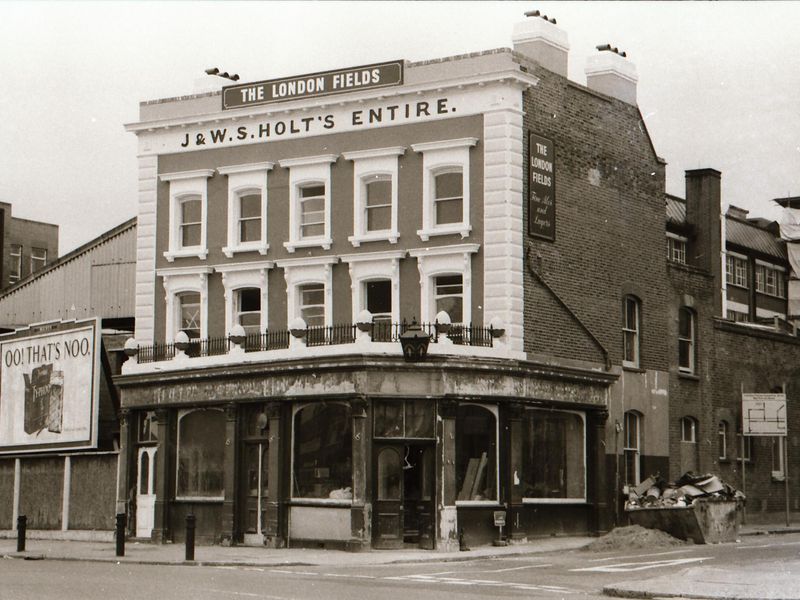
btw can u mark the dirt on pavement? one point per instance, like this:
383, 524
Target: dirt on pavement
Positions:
633, 537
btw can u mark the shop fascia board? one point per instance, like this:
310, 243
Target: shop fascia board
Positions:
513, 77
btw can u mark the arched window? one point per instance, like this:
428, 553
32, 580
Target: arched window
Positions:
201, 448
476, 453
686, 340
190, 314
323, 448
248, 309
689, 430
632, 432
630, 331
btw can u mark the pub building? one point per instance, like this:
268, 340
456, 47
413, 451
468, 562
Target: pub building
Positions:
291, 237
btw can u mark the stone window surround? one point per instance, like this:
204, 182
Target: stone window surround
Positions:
178, 280
308, 170
181, 185
370, 267
242, 276
444, 260
378, 161
241, 178
438, 157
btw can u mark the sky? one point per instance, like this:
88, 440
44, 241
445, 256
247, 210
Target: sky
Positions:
719, 83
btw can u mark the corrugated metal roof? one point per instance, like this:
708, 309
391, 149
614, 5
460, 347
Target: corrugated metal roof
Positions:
751, 236
676, 210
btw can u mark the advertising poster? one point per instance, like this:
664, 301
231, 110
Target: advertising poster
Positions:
48, 390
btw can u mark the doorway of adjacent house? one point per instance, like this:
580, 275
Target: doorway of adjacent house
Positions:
403, 513
146, 491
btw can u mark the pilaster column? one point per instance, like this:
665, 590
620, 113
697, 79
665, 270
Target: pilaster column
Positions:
229, 469
161, 532
361, 510
124, 460
446, 470
516, 414
597, 479
272, 524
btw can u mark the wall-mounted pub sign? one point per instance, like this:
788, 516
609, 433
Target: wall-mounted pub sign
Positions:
340, 81
541, 187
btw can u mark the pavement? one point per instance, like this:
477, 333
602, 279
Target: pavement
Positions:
740, 583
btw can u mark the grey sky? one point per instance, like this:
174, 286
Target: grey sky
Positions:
718, 82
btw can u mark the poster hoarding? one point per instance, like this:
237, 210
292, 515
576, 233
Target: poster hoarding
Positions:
49, 395
764, 414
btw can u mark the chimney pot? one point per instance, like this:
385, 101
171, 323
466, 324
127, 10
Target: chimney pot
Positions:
542, 41
610, 73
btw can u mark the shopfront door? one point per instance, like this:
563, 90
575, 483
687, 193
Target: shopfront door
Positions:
146, 491
404, 482
255, 491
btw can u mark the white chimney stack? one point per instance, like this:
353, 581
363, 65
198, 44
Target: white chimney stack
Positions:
610, 73
541, 40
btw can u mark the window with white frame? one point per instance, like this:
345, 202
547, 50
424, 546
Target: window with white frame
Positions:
188, 210
777, 443
744, 449
38, 258
445, 187
676, 248
245, 295
186, 300
632, 447
247, 207
689, 430
322, 452
378, 299
736, 270
630, 332
445, 281
15, 271
770, 279
310, 201
375, 286
722, 440
375, 174
686, 340
309, 288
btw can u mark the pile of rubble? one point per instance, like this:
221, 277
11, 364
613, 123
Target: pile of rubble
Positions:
654, 492
632, 537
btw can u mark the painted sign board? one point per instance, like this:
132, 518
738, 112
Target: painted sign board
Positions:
313, 85
541, 187
764, 414
49, 395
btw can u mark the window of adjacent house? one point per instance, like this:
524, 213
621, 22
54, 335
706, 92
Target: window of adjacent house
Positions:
722, 440
201, 448
632, 447
322, 452
449, 296
378, 203
686, 340
737, 316
476, 453
250, 217
736, 271
777, 457
312, 304
191, 215
312, 210
747, 452
448, 197
630, 332
688, 430
16, 263
553, 456
676, 249
248, 309
379, 300
38, 258
770, 281
190, 320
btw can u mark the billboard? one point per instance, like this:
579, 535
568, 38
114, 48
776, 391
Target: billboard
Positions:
49, 393
764, 414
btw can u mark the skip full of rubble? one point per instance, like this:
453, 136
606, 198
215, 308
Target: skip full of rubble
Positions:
654, 492
632, 537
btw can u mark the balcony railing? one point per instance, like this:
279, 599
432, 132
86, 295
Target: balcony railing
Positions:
460, 335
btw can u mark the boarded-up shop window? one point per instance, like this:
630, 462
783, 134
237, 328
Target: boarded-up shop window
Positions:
476, 453
322, 461
201, 447
553, 455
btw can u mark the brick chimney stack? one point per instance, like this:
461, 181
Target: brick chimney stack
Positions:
703, 211
541, 40
610, 72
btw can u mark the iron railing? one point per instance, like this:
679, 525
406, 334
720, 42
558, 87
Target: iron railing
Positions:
461, 335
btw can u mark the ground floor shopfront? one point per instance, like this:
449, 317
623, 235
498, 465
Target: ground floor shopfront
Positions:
356, 453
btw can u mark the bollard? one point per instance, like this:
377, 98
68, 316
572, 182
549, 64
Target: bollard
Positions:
190, 525
121, 523
22, 526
